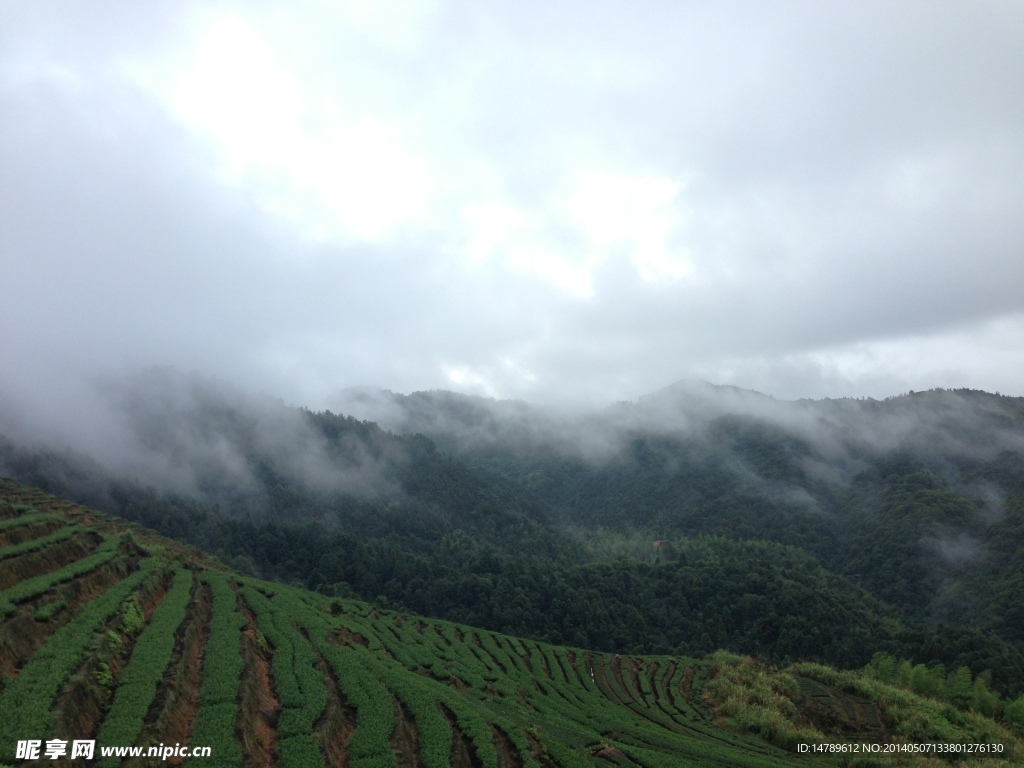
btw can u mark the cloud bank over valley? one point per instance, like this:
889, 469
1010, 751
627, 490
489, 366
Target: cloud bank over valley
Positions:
568, 205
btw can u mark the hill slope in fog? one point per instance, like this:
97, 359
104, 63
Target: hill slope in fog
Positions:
696, 518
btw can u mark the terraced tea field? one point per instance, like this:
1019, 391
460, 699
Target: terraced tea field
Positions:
113, 634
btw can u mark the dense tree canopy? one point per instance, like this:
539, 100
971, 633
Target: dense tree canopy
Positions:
741, 532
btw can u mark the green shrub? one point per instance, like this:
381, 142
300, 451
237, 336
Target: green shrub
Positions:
33, 545
132, 620
151, 655
222, 670
37, 585
754, 699
49, 610
26, 700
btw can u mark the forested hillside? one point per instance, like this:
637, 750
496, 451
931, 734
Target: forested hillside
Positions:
113, 636
694, 519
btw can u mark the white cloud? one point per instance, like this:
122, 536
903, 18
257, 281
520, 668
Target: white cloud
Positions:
631, 214
553, 265
596, 216
334, 170
465, 379
397, 26
539, 199
237, 90
986, 355
489, 227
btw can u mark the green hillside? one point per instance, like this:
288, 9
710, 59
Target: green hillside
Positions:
692, 520
110, 632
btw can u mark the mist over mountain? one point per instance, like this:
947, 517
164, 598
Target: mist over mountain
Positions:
696, 517
826, 441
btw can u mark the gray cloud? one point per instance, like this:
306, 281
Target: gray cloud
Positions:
847, 199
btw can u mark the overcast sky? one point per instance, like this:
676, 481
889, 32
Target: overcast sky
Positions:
560, 202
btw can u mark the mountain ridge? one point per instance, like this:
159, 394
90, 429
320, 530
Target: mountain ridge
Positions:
498, 518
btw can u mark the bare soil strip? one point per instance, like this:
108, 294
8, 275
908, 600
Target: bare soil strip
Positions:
538, 754
482, 656
652, 677
612, 755
619, 679
21, 635
686, 689
664, 689
660, 679
31, 531
463, 754
632, 683
508, 755
172, 714
502, 667
604, 684
83, 702
258, 706
507, 660
580, 666
405, 738
345, 636
544, 663
52, 558
686, 684
561, 667
525, 656
337, 723
440, 633
661, 683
